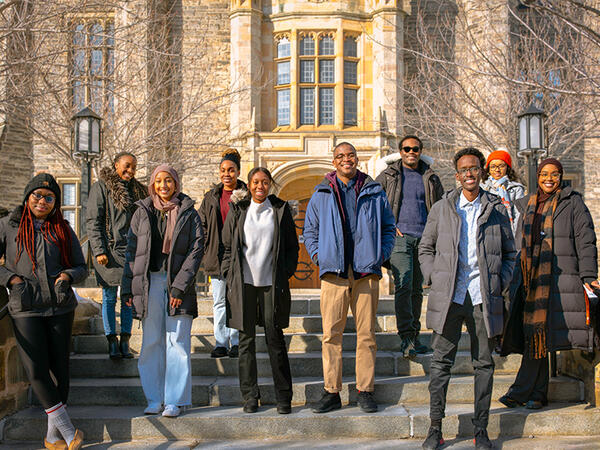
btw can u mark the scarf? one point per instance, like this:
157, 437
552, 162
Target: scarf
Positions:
536, 264
169, 208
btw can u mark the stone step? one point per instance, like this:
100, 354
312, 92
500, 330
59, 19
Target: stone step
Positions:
297, 342
302, 365
225, 391
310, 323
391, 422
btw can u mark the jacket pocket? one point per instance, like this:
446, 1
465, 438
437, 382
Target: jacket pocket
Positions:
20, 297
64, 294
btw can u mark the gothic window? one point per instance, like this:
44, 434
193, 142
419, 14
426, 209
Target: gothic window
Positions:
351, 86
283, 81
92, 66
283, 107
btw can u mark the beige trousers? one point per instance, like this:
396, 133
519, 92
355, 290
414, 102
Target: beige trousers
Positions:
362, 296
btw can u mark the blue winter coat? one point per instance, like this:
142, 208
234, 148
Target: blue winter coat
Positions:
375, 229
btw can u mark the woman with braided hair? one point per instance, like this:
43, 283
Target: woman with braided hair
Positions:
548, 306
42, 259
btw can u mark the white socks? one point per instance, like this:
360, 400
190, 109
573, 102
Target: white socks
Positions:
59, 424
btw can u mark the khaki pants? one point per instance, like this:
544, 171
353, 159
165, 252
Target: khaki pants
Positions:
362, 296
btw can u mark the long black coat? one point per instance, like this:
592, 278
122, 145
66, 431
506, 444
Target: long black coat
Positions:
575, 261
285, 259
38, 295
210, 215
182, 264
111, 205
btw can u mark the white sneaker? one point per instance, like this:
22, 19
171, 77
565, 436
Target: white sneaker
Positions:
171, 411
154, 408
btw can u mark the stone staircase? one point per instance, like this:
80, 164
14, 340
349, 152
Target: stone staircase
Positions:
106, 398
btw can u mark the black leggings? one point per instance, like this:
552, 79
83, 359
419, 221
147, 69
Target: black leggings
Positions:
44, 345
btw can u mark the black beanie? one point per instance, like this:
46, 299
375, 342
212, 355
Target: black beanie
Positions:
45, 181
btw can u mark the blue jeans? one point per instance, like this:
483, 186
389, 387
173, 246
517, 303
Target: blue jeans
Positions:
109, 302
165, 363
223, 335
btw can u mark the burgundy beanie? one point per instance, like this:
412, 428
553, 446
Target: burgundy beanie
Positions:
554, 162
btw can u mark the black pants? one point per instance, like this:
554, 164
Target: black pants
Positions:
259, 304
531, 382
44, 345
444, 352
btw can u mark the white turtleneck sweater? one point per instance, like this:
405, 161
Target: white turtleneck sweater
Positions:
259, 229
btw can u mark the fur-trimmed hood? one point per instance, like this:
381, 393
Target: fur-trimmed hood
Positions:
118, 190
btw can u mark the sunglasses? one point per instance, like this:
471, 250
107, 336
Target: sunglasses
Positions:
47, 198
411, 149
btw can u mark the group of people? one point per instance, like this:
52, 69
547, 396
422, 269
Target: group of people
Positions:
511, 268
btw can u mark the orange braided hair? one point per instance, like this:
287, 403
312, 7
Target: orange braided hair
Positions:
54, 229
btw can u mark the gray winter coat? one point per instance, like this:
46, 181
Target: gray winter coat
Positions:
109, 210
438, 255
183, 261
515, 191
575, 262
391, 181
38, 296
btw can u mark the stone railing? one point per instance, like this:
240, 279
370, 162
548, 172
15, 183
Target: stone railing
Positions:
584, 366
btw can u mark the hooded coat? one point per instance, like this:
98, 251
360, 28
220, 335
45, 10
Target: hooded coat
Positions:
438, 256
210, 215
575, 261
183, 261
38, 296
111, 204
285, 258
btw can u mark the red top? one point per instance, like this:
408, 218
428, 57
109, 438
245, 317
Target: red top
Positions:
224, 203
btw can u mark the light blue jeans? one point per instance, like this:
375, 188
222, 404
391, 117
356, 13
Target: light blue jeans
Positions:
223, 335
165, 364
109, 303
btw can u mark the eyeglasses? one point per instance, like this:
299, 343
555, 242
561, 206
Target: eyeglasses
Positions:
497, 167
47, 198
473, 170
415, 149
348, 156
552, 176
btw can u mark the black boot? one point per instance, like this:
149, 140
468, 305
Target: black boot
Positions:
113, 346
124, 346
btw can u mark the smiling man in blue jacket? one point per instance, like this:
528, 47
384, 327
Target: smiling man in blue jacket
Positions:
349, 230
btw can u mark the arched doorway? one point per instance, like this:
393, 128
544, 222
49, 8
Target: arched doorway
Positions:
297, 181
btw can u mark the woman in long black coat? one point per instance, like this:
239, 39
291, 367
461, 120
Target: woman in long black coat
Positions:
261, 254
548, 306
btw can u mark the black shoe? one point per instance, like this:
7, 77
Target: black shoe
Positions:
482, 441
234, 351
534, 404
124, 346
250, 405
421, 349
328, 402
406, 346
113, 347
218, 352
366, 401
434, 439
284, 407
509, 402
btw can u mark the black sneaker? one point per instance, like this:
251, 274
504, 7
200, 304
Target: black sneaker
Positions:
251, 405
218, 352
434, 439
284, 408
421, 349
328, 402
509, 402
406, 346
366, 401
234, 351
482, 441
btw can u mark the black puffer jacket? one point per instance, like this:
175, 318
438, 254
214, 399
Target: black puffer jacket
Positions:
183, 261
285, 259
111, 204
210, 215
575, 262
38, 296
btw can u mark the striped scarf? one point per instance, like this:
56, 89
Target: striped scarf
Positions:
536, 264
